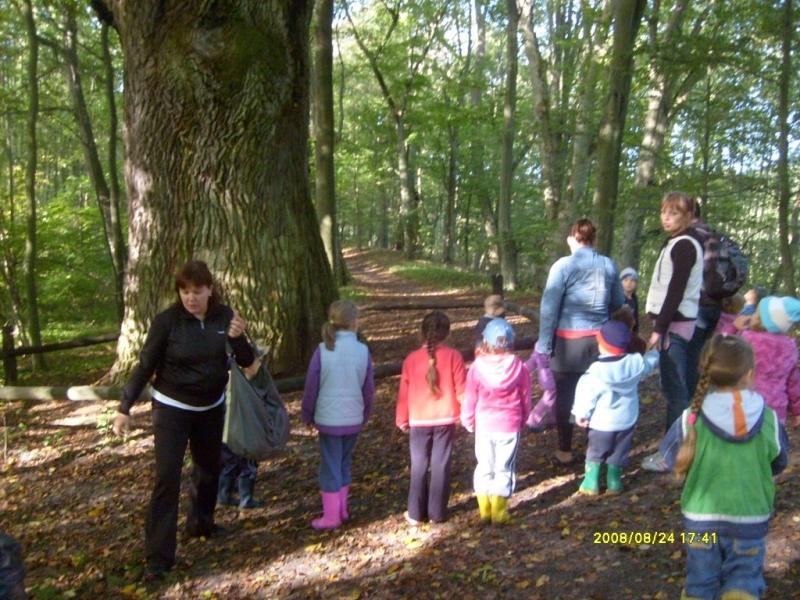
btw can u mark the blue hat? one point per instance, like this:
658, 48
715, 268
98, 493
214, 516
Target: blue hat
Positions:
614, 337
629, 272
499, 333
778, 314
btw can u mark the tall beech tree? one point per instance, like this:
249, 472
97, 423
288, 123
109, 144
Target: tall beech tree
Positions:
216, 109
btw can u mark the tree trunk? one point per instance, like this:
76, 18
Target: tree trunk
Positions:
119, 251
216, 122
784, 187
627, 18
449, 227
508, 247
112, 228
324, 136
31, 293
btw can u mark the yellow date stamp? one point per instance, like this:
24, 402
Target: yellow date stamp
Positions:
653, 537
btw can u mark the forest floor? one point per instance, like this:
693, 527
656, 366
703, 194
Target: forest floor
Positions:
76, 499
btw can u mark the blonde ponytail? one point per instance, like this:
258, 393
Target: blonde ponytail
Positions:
341, 315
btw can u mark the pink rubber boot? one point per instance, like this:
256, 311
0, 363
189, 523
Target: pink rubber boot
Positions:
331, 509
345, 516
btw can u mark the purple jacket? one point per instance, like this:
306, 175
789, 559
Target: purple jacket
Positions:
777, 377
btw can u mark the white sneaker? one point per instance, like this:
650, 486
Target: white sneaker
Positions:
655, 462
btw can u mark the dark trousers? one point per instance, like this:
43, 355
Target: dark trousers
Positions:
430, 448
235, 465
173, 430
566, 382
610, 447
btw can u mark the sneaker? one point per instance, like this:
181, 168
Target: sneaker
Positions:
411, 521
655, 462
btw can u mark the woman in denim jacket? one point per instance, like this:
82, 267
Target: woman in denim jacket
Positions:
582, 290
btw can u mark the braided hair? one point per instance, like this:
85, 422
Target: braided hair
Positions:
723, 363
435, 328
341, 315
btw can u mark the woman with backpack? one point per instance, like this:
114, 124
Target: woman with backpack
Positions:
672, 303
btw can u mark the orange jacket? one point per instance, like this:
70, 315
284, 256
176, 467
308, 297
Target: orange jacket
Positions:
417, 406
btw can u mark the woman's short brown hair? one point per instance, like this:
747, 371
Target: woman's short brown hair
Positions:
584, 232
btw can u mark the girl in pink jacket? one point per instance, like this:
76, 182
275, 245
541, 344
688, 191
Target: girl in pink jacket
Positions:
777, 377
496, 406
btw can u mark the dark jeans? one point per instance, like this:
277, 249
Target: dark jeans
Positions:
679, 374
610, 447
566, 382
430, 447
173, 430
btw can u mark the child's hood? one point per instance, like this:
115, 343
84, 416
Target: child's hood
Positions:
499, 370
721, 415
620, 373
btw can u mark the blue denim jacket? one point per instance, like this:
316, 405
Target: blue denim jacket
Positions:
582, 291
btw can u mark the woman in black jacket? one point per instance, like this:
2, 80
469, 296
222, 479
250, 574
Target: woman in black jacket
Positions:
186, 350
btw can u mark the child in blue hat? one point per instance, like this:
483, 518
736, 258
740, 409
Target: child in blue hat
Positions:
496, 406
607, 402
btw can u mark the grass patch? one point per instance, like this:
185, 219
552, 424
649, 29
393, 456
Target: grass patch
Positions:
441, 276
77, 366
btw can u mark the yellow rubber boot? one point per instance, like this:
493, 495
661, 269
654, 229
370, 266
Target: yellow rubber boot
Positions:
737, 595
499, 512
484, 506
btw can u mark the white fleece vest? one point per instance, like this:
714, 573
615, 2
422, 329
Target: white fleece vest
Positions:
663, 275
340, 402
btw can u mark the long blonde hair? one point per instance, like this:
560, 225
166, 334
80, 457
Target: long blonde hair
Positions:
723, 363
341, 315
435, 328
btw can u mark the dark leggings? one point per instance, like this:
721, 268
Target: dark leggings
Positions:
565, 398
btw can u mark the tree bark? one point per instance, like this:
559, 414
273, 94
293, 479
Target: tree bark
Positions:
508, 247
324, 137
216, 122
784, 187
627, 18
31, 292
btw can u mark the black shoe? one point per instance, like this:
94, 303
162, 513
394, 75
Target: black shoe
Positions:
213, 531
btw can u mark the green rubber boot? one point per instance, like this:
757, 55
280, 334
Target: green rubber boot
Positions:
614, 480
591, 479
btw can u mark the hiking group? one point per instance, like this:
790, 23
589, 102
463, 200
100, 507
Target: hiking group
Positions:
728, 396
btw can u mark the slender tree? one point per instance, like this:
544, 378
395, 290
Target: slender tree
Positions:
784, 187
31, 293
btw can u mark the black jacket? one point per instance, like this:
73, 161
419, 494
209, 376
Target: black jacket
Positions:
187, 356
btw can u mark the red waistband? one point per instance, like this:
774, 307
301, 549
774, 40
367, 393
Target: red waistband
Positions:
576, 334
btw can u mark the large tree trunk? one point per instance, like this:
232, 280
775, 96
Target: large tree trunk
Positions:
508, 247
108, 204
31, 293
216, 115
627, 18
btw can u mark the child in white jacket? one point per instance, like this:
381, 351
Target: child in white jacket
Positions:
607, 402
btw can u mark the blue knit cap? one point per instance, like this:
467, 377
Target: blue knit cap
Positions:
779, 314
499, 333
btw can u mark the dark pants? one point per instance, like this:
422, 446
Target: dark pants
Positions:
234, 465
430, 447
173, 430
565, 398
610, 447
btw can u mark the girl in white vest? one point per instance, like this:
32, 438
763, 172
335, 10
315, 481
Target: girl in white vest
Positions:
337, 401
672, 303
